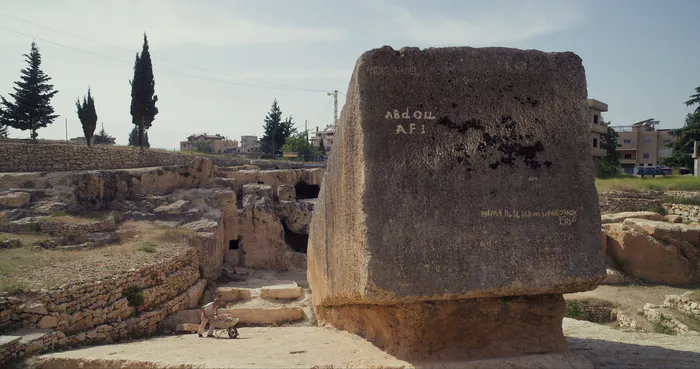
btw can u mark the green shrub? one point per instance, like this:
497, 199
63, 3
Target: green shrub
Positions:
657, 209
659, 327
134, 295
573, 310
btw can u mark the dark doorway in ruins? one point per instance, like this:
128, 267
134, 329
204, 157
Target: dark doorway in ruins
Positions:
306, 191
297, 241
233, 244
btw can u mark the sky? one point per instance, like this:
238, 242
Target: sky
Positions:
219, 64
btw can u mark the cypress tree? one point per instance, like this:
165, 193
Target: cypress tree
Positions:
134, 138
143, 100
31, 108
88, 116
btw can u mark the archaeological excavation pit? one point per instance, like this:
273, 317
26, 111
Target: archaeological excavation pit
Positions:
297, 241
306, 191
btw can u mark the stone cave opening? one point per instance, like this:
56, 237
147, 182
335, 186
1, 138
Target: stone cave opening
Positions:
233, 244
297, 241
306, 191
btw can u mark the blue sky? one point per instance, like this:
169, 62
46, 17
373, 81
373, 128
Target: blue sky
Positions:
641, 57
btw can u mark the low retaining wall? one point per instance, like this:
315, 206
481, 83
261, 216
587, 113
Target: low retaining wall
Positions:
686, 212
55, 156
97, 311
58, 228
684, 304
622, 201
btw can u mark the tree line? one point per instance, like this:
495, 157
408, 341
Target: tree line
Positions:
31, 109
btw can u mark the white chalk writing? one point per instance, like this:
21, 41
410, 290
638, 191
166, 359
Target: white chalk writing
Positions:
411, 128
407, 114
566, 217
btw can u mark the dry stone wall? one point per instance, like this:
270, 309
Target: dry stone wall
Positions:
51, 156
686, 212
623, 201
97, 311
683, 304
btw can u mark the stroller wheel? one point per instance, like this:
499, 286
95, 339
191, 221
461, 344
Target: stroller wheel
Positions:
232, 332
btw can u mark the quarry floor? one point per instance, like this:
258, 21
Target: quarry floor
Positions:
307, 347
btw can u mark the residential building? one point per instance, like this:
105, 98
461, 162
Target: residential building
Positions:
218, 143
641, 144
326, 136
597, 127
83, 141
250, 145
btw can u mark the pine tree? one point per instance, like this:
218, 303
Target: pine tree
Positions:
276, 131
102, 137
88, 116
32, 108
134, 138
143, 100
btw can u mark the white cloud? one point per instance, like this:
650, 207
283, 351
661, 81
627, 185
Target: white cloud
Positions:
498, 24
168, 22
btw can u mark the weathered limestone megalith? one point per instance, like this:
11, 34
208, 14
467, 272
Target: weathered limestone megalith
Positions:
459, 203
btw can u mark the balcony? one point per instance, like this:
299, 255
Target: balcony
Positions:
628, 161
597, 151
598, 128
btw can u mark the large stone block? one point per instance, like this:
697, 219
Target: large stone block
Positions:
458, 173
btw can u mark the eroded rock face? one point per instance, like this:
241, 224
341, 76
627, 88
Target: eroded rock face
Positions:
296, 215
656, 256
261, 235
15, 199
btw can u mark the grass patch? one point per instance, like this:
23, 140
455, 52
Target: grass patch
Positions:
27, 239
657, 209
573, 310
631, 183
68, 219
682, 200
659, 327
59, 213
148, 247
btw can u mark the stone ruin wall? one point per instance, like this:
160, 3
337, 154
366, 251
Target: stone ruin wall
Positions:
18, 156
626, 201
96, 311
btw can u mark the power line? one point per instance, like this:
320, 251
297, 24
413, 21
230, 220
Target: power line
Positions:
161, 70
159, 58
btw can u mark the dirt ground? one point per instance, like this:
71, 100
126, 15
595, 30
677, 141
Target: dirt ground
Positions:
33, 268
307, 347
629, 296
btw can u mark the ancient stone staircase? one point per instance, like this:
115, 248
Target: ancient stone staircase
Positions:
263, 299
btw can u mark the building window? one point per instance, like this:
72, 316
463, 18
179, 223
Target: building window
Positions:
595, 119
645, 156
595, 142
650, 164
627, 141
628, 156
666, 142
647, 141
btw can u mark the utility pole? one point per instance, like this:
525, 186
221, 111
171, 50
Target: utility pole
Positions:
66, 129
334, 93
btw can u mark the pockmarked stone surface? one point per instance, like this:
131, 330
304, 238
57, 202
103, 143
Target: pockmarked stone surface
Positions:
458, 173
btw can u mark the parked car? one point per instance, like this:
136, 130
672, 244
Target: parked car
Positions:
654, 171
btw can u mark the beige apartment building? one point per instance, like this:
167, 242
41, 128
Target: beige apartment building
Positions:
597, 127
218, 143
642, 145
326, 136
